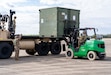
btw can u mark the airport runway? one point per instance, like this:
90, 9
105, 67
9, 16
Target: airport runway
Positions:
56, 65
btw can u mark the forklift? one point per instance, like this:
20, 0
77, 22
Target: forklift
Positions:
92, 48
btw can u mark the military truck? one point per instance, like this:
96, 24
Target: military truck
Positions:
55, 24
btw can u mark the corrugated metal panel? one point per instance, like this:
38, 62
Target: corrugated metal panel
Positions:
52, 21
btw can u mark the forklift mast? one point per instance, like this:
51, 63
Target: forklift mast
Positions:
71, 32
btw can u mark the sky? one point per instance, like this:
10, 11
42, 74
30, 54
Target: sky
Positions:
93, 13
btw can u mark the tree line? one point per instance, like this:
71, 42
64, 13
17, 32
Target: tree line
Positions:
106, 35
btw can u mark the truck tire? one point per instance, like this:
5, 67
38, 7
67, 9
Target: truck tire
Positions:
42, 49
69, 54
91, 55
55, 48
30, 52
5, 50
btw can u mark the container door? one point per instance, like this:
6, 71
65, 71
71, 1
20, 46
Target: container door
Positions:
62, 16
74, 16
48, 22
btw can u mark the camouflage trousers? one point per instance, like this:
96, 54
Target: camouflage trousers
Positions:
80, 42
16, 53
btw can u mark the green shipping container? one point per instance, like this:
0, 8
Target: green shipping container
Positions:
54, 20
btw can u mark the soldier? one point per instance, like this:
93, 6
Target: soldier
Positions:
3, 25
82, 39
14, 23
16, 46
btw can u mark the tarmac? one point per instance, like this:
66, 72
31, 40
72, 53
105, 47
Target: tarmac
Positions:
56, 64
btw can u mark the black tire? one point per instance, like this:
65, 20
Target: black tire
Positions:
42, 49
55, 48
69, 54
5, 50
30, 52
91, 55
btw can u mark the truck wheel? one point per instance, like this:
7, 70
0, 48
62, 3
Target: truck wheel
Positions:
5, 50
42, 49
91, 55
30, 52
69, 54
56, 48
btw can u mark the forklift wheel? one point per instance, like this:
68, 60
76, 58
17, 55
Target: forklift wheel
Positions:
91, 55
69, 54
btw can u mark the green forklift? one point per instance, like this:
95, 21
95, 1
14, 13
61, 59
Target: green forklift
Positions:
92, 48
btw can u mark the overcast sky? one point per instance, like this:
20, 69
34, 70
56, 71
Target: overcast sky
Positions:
93, 13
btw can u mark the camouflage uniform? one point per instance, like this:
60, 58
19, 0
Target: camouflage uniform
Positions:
3, 25
16, 47
82, 39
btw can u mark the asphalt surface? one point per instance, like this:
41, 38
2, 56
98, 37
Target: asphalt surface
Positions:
56, 65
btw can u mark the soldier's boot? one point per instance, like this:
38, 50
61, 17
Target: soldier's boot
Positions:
17, 55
